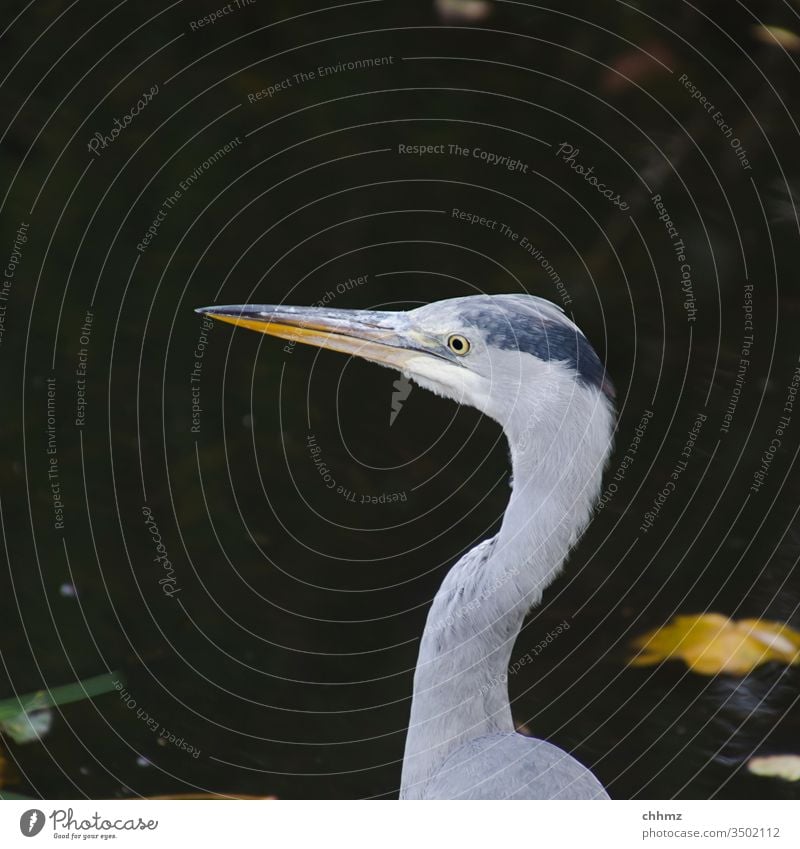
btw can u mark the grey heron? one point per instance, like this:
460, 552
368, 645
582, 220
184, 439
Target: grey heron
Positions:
518, 359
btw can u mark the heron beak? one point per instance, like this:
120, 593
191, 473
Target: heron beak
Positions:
386, 338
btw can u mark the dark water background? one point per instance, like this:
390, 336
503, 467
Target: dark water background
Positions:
285, 653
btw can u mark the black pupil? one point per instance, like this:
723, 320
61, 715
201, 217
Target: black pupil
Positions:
457, 344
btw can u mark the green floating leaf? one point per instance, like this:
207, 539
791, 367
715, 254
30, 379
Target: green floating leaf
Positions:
28, 727
27, 718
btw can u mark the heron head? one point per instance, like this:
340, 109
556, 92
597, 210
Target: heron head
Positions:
517, 358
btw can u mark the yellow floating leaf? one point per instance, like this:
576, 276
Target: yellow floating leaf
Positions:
777, 36
776, 766
710, 643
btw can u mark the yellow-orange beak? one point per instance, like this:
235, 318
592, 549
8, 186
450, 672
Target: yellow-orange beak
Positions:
387, 338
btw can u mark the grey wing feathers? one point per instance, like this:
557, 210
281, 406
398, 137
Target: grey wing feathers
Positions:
510, 766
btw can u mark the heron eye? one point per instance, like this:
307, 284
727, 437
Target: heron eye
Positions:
458, 344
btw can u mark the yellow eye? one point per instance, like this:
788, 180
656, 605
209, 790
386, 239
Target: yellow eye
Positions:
458, 344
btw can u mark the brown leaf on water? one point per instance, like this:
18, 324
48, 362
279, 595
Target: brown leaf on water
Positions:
786, 767
709, 644
637, 65
8, 776
463, 11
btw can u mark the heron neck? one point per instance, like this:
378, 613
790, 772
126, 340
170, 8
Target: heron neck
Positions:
460, 685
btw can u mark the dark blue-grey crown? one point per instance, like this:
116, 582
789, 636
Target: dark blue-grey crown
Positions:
538, 327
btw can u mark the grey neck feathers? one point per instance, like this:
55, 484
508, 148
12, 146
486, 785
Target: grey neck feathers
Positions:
460, 685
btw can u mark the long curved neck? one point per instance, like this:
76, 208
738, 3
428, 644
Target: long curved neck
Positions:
460, 685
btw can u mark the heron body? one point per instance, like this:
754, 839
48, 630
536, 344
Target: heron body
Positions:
521, 361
